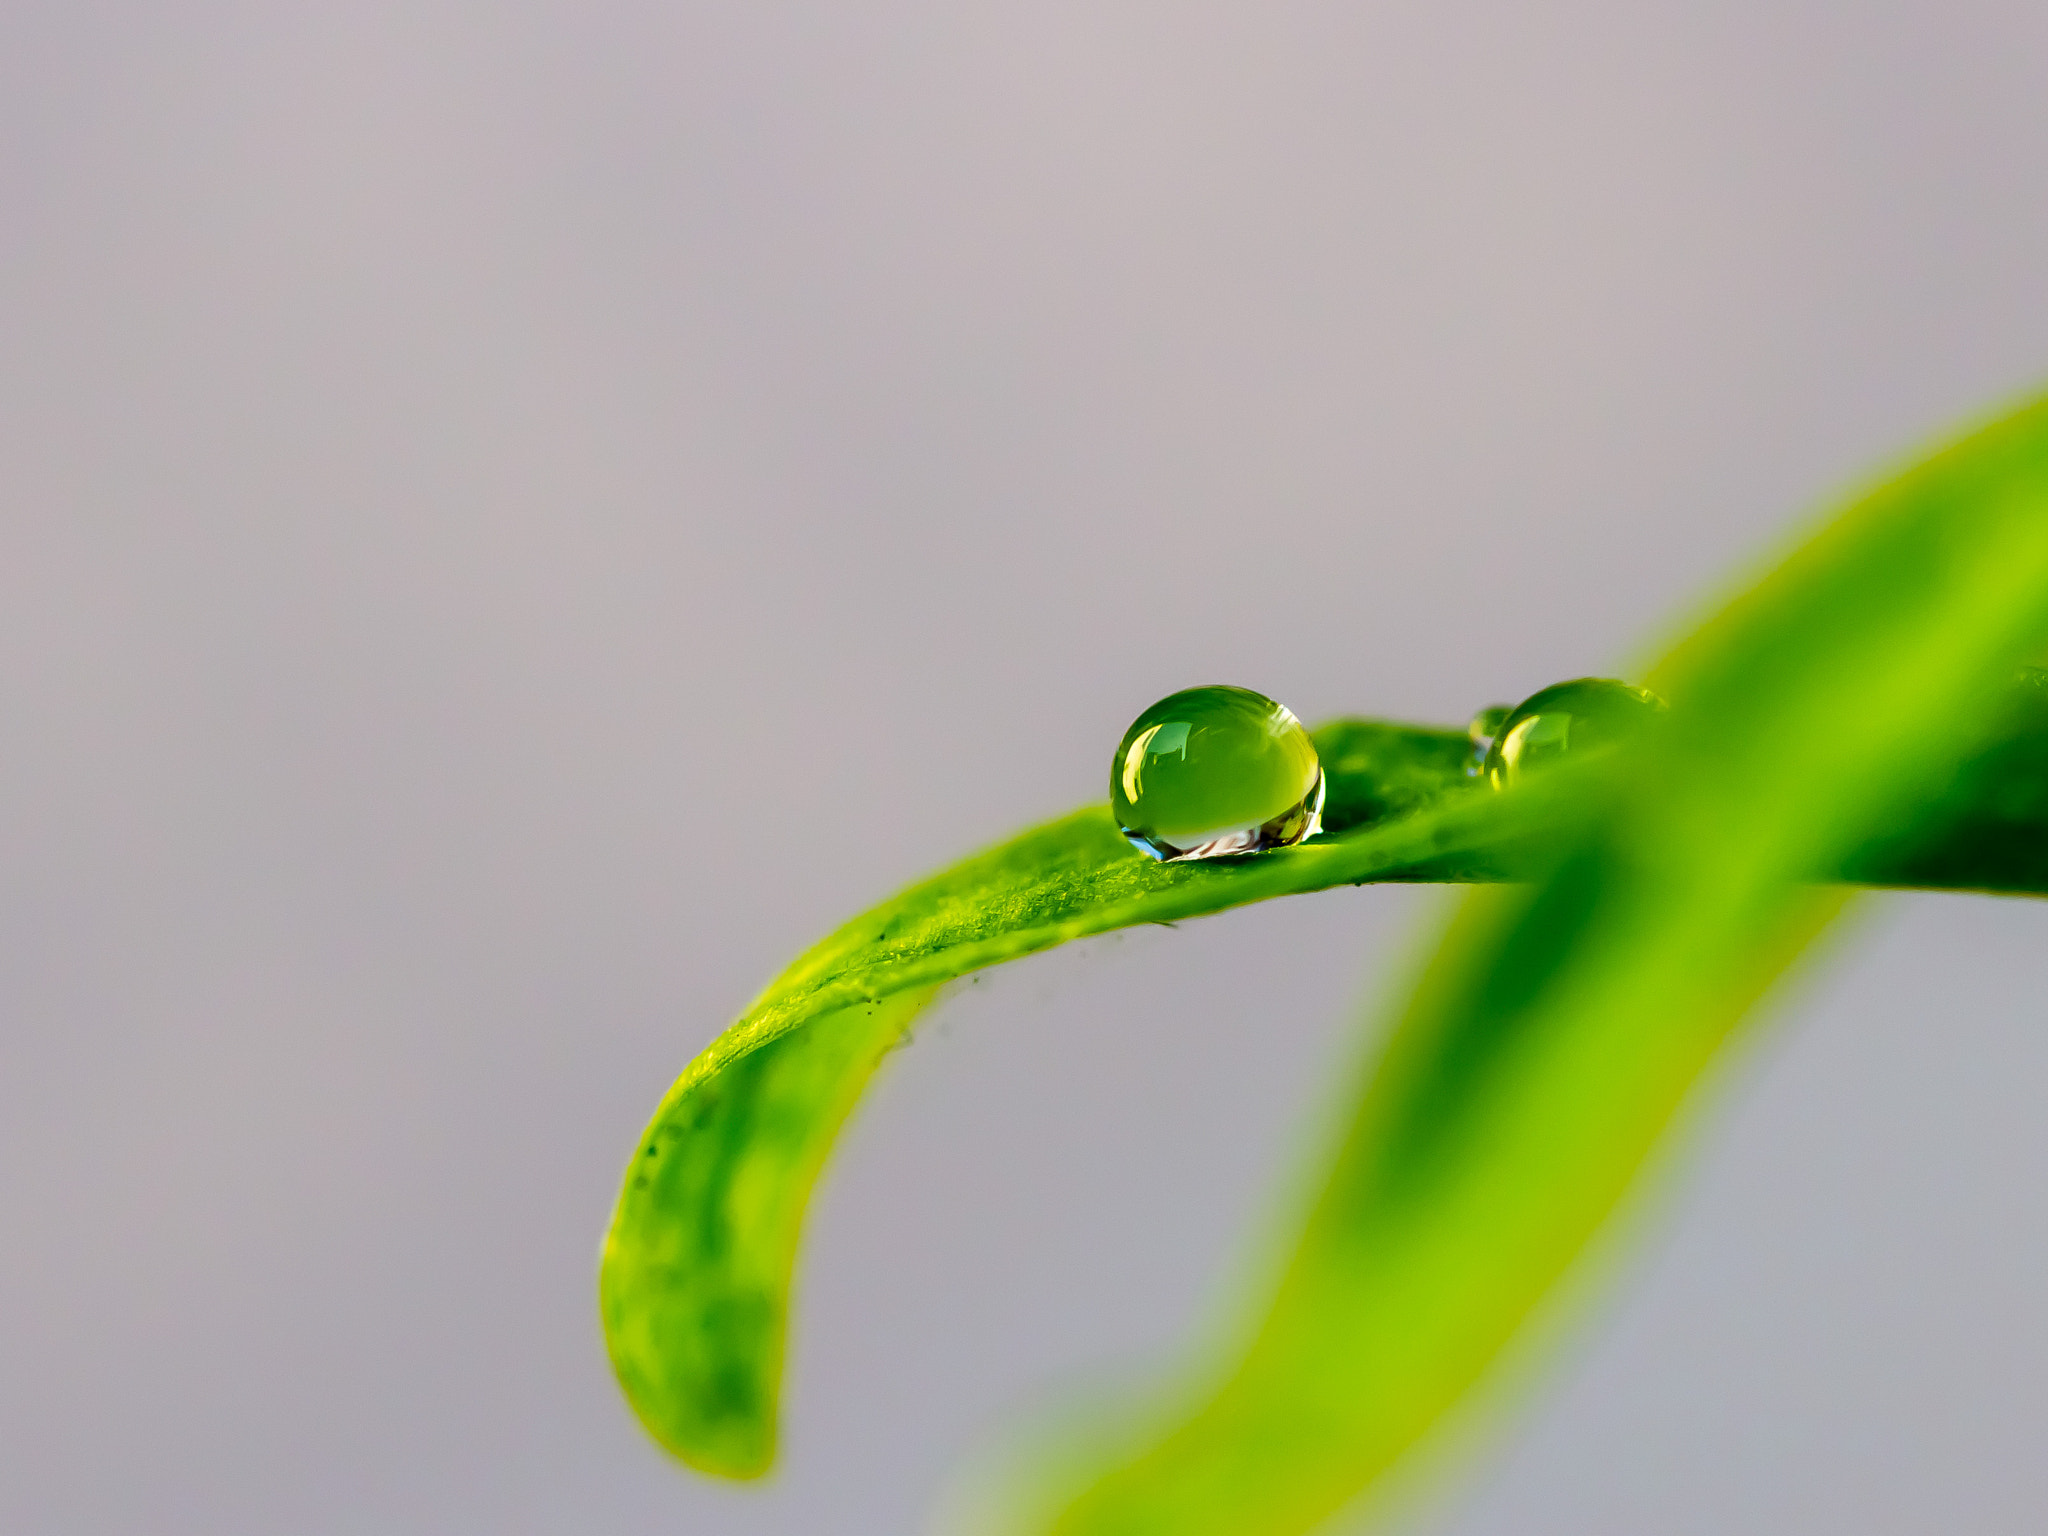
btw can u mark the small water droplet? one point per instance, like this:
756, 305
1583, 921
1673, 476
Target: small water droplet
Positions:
1585, 712
1483, 727
1213, 771
1487, 723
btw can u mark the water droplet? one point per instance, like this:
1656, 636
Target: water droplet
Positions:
1487, 723
1213, 771
1483, 727
1586, 712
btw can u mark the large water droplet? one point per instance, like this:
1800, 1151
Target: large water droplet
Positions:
1213, 771
1586, 712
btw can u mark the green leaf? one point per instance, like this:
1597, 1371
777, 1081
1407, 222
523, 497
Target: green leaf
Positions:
1561, 1025
698, 1259
695, 1289
696, 1267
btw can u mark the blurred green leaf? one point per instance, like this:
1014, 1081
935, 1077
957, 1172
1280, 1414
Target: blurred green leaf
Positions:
1561, 1024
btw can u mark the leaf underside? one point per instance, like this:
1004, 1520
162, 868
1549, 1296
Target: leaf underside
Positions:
1831, 724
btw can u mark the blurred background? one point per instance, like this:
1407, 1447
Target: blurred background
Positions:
517, 518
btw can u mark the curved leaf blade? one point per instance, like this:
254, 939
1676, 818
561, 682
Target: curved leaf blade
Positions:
695, 1295
694, 1278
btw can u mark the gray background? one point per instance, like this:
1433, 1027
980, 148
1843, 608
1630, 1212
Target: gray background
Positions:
519, 517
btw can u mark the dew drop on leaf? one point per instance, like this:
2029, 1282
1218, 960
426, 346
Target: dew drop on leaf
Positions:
1483, 728
1586, 712
1487, 723
1213, 771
